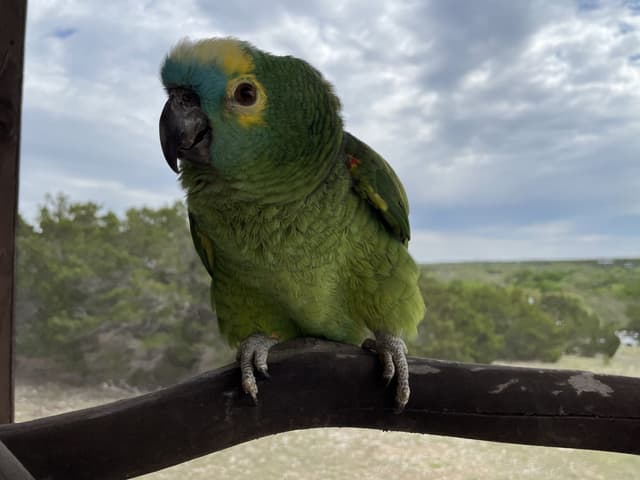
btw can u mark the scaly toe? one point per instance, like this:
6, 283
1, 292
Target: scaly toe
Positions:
388, 368
246, 369
261, 354
253, 352
393, 355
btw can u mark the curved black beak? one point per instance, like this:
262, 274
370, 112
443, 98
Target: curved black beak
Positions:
184, 129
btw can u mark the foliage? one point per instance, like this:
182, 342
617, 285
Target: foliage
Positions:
113, 298
633, 313
126, 300
543, 280
479, 322
605, 287
580, 329
452, 328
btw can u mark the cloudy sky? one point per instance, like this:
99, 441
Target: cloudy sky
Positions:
515, 126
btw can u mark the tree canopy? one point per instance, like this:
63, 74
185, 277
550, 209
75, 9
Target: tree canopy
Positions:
126, 299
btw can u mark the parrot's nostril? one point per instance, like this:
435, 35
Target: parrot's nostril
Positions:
190, 99
184, 97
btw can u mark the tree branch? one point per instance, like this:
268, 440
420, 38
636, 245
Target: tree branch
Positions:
323, 384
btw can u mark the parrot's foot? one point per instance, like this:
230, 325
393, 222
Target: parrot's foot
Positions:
253, 352
393, 355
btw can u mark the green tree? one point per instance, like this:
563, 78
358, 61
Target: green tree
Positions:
581, 330
528, 333
633, 314
117, 299
469, 321
452, 329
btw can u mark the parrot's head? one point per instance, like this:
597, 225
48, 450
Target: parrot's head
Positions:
244, 115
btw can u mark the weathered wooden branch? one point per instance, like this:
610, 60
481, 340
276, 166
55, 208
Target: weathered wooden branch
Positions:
12, 25
323, 384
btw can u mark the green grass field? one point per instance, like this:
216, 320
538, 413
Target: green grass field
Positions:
352, 453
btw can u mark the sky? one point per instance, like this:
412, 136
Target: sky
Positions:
514, 126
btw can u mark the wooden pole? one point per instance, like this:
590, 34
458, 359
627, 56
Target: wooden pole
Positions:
322, 384
12, 29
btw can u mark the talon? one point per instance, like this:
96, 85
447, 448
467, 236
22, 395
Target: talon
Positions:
251, 388
253, 353
388, 368
393, 355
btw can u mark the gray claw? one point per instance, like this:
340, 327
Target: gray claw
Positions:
388, 368
393, 355
253, 353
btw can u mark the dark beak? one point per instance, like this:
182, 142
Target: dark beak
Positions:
185, 133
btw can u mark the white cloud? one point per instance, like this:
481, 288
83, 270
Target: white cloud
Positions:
529, 243
497, 113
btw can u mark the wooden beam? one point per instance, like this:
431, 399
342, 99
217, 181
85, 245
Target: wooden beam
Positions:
322, 384
13, 15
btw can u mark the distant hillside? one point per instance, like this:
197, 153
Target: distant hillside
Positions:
607, 287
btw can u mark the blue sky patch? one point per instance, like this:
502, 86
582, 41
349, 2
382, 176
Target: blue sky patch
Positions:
64, 33
626, 28
633, 5
587, 5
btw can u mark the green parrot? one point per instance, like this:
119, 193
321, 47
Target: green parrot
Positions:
302, 227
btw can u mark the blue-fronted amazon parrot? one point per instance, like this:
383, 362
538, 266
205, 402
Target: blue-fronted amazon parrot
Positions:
302, 227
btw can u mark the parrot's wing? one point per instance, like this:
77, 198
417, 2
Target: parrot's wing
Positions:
375, 181
203, 244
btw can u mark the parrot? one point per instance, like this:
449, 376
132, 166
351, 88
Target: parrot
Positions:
302, 227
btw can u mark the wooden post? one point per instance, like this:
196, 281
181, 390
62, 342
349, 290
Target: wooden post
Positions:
12, 27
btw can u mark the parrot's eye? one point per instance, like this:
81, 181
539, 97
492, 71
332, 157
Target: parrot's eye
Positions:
245, 94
